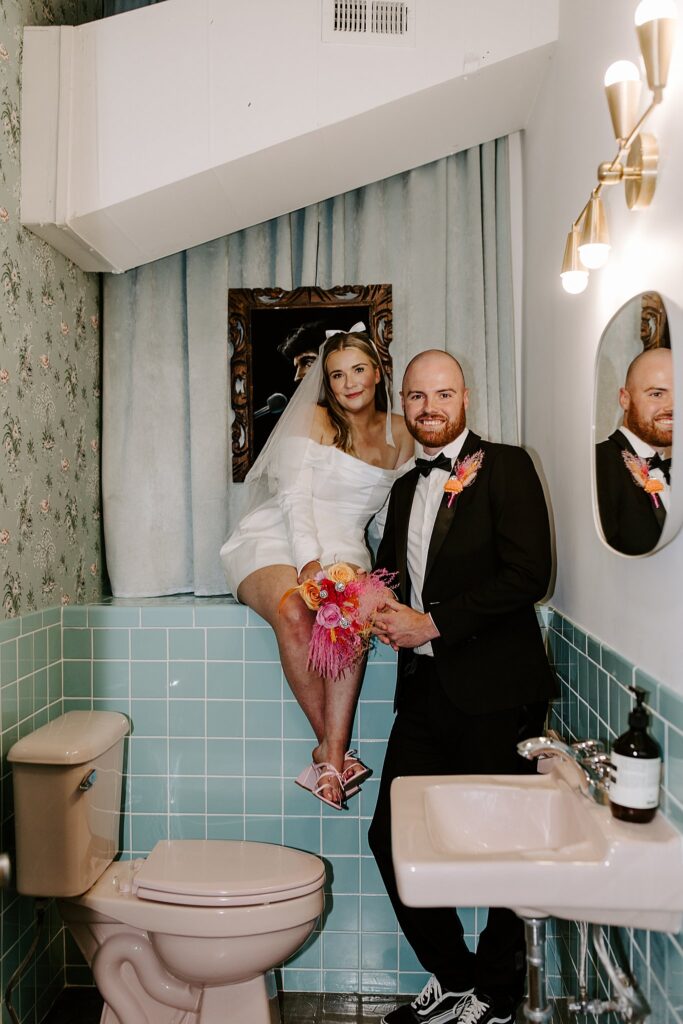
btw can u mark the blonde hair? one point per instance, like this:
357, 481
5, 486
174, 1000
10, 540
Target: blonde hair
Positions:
339, 343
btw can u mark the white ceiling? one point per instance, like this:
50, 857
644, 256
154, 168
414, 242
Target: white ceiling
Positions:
154, 131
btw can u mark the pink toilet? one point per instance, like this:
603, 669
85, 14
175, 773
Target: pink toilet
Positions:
189, 935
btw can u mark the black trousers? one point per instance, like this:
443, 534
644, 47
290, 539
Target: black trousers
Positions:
431, 736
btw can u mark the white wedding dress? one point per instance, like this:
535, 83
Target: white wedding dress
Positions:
320, 512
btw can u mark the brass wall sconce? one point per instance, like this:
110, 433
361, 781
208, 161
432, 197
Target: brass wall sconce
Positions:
636, 161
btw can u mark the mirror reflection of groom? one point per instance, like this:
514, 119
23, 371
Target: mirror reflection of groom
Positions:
633, 466
473, 676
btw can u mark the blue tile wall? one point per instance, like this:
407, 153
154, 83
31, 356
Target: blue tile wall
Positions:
216, 742
595, 703
30, 695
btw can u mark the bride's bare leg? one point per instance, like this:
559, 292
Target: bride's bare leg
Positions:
262, 591
341, 698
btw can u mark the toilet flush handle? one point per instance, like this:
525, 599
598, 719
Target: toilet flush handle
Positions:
88, 781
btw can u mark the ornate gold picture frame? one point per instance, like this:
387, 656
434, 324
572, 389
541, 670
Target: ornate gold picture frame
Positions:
259, 320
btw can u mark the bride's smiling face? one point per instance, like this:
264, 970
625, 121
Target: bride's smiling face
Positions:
352, 378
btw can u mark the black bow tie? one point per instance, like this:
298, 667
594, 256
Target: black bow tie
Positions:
657, 462
440, 462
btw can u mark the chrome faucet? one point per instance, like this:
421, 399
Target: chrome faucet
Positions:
588, 758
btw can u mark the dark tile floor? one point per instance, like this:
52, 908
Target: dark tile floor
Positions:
76, 1006
84, 1006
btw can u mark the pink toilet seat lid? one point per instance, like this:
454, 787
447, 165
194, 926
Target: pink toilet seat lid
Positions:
220, 872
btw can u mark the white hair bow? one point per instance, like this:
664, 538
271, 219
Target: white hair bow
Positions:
356, 329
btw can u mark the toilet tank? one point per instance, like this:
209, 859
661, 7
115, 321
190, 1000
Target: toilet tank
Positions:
67, 801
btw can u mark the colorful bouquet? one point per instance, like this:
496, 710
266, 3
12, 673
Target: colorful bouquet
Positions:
345, 603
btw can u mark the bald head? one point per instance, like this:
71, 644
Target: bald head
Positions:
434, 399
652, 361
434, 360
647, 397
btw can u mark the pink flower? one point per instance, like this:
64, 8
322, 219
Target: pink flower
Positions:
4, 53
329, 616
94, 322
66, 599
64, 465
4, 536
4, 214
93, 569
95, 445
44, 361
64, 328
45, 506
4, 376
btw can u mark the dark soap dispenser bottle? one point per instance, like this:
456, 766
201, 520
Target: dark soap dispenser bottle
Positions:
637, 757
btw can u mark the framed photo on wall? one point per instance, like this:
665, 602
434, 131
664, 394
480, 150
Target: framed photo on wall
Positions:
262, 377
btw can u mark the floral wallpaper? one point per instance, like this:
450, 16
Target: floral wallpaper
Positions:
50, 512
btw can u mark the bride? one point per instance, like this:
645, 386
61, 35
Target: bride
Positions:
325, 471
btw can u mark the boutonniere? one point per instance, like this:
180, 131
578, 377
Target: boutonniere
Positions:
463, 475
640, 471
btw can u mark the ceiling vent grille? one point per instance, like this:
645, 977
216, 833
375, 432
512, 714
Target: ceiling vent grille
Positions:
369, 22
350, 16
389, 18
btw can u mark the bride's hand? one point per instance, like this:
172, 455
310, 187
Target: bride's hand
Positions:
309, 571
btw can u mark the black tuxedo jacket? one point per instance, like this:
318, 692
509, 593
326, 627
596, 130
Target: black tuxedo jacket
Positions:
630, 522
489, 560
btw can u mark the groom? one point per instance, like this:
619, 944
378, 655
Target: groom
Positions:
467, 532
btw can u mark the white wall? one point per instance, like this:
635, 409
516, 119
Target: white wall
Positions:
634, 605
188, 120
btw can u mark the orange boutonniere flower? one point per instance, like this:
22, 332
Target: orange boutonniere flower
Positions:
640, 471
463, 475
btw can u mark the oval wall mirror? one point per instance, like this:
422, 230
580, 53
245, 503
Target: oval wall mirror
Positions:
635, 499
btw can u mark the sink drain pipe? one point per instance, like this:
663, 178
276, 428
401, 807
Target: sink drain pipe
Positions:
536, 1007
629, 1004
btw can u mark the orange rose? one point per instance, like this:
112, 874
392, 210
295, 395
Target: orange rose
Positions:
453, 486
340, 572
652, 486
310, 593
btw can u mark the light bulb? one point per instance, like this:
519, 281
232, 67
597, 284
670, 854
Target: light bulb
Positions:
593, 235
654, 10
574, 281
594, 254
621, 71
574, 277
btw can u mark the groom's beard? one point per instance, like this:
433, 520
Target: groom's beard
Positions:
438, 436
655, 431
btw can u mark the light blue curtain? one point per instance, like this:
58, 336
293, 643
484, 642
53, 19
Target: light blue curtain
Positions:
438, 234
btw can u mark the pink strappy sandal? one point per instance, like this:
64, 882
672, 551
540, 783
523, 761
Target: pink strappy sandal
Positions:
350, 777
314, 779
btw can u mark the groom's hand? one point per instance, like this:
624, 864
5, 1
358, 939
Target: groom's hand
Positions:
401, 626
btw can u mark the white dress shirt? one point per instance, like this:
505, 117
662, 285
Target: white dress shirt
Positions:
645, 451
429, 495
